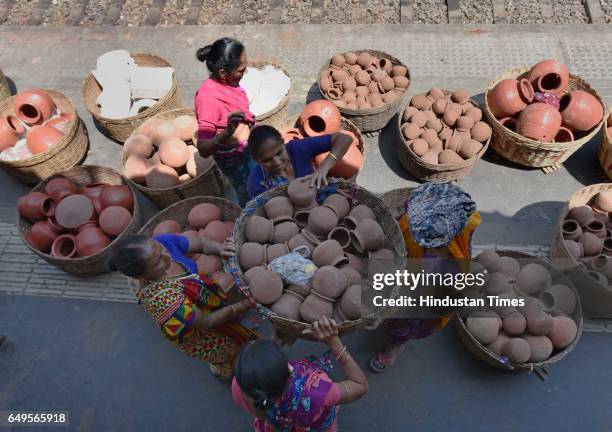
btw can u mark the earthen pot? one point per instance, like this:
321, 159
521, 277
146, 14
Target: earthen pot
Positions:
349, 84
200, 215
148, 127
73, 211
514, 323
8, 134
161, 177
350, 163
498, 344
509, 123
354, 261
114, 219
197, 164
541, 348
517, 350
288, 305
603, 202
291, 134
209, 264
64, 246
564, 135
421, 102
357, 214
497, 284
350, 57
329, 281
266, 286
350, 96
325, 81
320, 117
563, 332
41, 138
409, 111
339, 204
311, 237
487, 258
215, 230
186, 125
470, 148
540, 122
533, 279
301, 194
509, 97
350, 303
322, 220
475, 114
279, 209
549, 76
117, 195
531, 305
251, 255
580, 110
329, 253
591, 244
481, 131
571, 230
163, 131
342, 235
33, 107
91, 241
315, 307
41, 236
174, 152
449, 157
539, 323
60, 187
411, 131
139, 145
284, 231
192, 235
367, 236
419, 147
575, 248
596, 227
276, 250
484, 329
300, 240
560, 298
36, 206
136, 168
259, 229
509, 267
168, 226
581, 214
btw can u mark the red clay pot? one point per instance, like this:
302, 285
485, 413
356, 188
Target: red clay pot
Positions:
73, 211
549, 76
200, 215
186, 125
174, 152
215, 230
580, 110
91, 241
117, 195
320, 117
60, 187
33, 107
209, 264
291, 134
349, 165
368, 236
114, 219
564, 135
161, 176
36, 206
64, 246
8, 134
540, 122
41, 138
259, 229
41, 236
509, 97
136, 168
138, 145
325, 81
167, 227
93, 190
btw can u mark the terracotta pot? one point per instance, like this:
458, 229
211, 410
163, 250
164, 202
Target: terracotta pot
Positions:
342, 235
580, 110
354, 261
117, 195
251, 255
339, 204
168, 226
33, 107
215, 230
114, 219
581, 214
136, 169
564, 135
357, 214
279, 209
549, 76
259, 229
598, 228
484, 329
469, 149
36, 206
563, 332
40, 138
148, 127
350, 57
138, 145
591, 244
224, 281
481, 131
322, 220
202, 214
41, 236
301, 194
284, 231
607, 247
540, 122
186, 125
276, 250
411, 131
533, 279
161, 177
163, 131
301, 218
329, 282
541, 347
603, 202
509, 97
8, 134
330, 253
209, 264
266, 286
91, 241
498, 344
576, 251
320, 117
367, 236
73, 211
192, 235
64, 246
349, 165
571, 230
509, 123
497, 284
449, 157
315, 307
288, 306
419, 147
60, 187
514, 323
475, 114
539, 323
299, 240
350, 303
325, 81
517, 350
561, 298
173, 152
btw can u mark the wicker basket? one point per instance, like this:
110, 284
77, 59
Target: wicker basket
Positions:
5, 90
491, 358
210, 183
68, 152
393, 240
121, 129
605, 148
94, 264
428, 172
371, 119
395, 200
596, 298
528, 152
278, 116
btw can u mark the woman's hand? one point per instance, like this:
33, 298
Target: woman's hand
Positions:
319, 177
229, 248
234, 120
325, 330
211, 247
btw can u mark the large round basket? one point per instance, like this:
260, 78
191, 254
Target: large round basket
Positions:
345, 124
371, 119
528, 152
605, 148
121, 129
393, 240
209, 183
94, 264
596, 298
428, 172
65, 154
491, 358
395, 201
276, 117
5, 90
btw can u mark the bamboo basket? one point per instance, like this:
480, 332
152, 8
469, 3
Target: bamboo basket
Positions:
371, 119
94, 264
210, 183
428, 172
5, 90
276, 117
65, 154
121, 129
605, 148
596, 298
528, 152
358, 195
489, 357
395, 201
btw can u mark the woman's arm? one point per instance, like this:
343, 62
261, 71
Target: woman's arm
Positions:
207, 147
204, 245
222, 316
340, 144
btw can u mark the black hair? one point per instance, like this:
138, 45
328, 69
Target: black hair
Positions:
260, 135
262, 372
128, 256
223, 54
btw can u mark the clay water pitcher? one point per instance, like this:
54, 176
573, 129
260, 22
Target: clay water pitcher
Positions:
509, 97
36, 206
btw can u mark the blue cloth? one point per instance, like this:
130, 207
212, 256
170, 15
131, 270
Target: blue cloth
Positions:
177, 246
301, 153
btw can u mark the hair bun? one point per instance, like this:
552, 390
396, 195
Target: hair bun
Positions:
202, 53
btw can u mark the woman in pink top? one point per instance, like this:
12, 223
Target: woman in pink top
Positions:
222, 110
296, 395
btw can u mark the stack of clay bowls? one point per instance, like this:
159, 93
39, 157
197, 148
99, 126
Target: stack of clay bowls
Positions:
538, 333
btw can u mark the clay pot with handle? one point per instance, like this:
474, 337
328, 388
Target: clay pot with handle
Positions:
581, 110
36, 206
509, 97
549, 76
41, 236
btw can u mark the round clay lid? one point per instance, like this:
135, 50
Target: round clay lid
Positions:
73, 211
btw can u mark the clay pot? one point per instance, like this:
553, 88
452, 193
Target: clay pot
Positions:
549, 76
364, 59
581, 214
338, 204
498, 344
192, 235
276, 250
41, 236
561, 298
487, 258
357, 214
571, 230
509, 123
419, 147
450, 118
329, 253
470, 148
564, 135
509, 97
533, 279
136, 168
114, 219
350, 57
497, 284
563, 332
315, 307
60, 187
33, 107
284, 231
509, 267
539, 323
299, 240
607, 246
8, 134
117, 195
64, 246
481, 131
202, 214
148, 127
73, 211
541, 348
350, 303
163, 131
591, 244
517, 350
251, 255
174, 152
36, 206
349, 165
186, 126
91, 241
40, 138
349, 84
322, 220
484, 329
329, 282
367, 236
449, 157
362, 78
575, 248
598, 228
209, 264
279, 209
603, 201
411, 131
139, 145
539, 121
196, 164
342, 235
354, 261
259, 229
580, 110
419, 119
301, 218
475, 114
168, 226
161, 177
409, 111
301, 194
320, 117
531, 305
266, 286
385, 85
288, 306
215, 230
514, 323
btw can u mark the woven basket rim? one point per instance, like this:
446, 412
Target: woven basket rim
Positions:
285, 100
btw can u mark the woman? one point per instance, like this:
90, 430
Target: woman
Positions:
296, 395
189, 308
222, 110
439, 223
278, 163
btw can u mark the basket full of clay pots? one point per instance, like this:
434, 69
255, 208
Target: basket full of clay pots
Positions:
337, 229
541, 328
541, 115
441, 135
367, 86
72, 219
583, 246
322, 117
161, 160
605, 148
40, 134
5, 90
205, 217
126, 88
